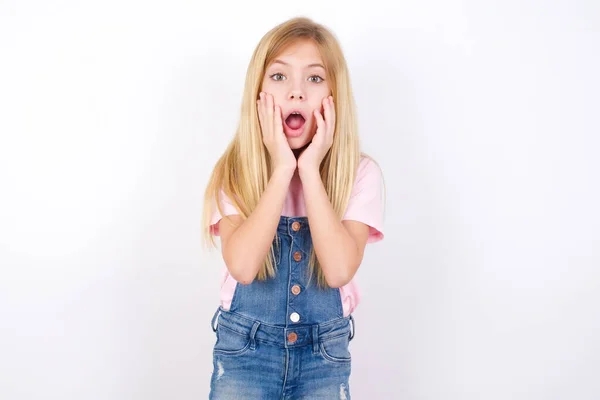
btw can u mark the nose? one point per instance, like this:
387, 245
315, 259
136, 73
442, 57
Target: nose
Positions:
296, 94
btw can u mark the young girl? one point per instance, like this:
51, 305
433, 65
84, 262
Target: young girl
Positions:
294, 203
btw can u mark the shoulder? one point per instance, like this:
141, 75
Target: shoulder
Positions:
368, 174
367, 200
221, 207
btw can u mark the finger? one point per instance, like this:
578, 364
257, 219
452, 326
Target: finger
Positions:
261, 110
319, 120
278, 120
327, 109
269, 105
261, 103
330, 116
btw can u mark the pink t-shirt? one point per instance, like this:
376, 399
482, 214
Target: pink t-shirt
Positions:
365, 206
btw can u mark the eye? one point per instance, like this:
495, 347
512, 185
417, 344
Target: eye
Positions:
315, 79
277, 77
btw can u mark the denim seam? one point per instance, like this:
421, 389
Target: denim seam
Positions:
251, 321
326, 338
287, 301
287, 360
234, 352
245, 334
329, 358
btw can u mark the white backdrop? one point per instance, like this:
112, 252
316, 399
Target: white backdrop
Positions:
483, 116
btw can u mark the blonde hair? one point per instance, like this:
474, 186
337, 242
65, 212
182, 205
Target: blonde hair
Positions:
243, 172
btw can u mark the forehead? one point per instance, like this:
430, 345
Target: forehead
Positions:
300, 51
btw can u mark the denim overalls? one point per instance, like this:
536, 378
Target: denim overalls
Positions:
283, 338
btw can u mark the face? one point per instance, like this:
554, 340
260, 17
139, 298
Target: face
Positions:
296, 78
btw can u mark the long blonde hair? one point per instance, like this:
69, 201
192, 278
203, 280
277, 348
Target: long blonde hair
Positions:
243, 172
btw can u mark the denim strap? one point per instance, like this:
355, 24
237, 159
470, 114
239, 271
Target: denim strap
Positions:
253, 334
315, 338
214, 319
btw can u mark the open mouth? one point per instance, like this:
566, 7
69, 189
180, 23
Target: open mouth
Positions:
294, 123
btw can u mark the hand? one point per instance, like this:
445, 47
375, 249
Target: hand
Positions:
311, 158
282, 157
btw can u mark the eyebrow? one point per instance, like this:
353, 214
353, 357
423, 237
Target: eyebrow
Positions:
277, 61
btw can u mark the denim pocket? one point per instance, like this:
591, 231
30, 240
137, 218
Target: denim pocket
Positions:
230, 342
276, 250
336, 349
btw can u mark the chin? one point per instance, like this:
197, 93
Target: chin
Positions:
297, 143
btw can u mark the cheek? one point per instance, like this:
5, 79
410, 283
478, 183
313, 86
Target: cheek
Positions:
315, 106
275, 91
317, 99
321, 93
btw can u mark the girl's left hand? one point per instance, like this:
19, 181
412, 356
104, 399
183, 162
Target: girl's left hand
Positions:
313, 155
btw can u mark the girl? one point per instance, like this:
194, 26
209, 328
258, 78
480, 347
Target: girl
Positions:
294, 203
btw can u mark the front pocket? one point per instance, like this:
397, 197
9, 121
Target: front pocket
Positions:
230, 342
276, 250
336, 349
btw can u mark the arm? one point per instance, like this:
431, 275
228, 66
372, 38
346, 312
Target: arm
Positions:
246, 246
339, 245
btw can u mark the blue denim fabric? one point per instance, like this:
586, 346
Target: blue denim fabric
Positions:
262, 352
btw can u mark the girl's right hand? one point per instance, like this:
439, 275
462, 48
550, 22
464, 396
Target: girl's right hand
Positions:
269, 115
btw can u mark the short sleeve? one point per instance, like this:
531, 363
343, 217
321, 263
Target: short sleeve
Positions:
366, 201
228, 209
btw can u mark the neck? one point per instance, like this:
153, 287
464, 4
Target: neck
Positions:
299, 151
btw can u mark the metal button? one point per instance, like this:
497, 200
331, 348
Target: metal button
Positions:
295, 317
292, 337
297, 256
296, 290
296, 226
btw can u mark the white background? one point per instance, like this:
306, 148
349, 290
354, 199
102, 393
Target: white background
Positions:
483, 115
